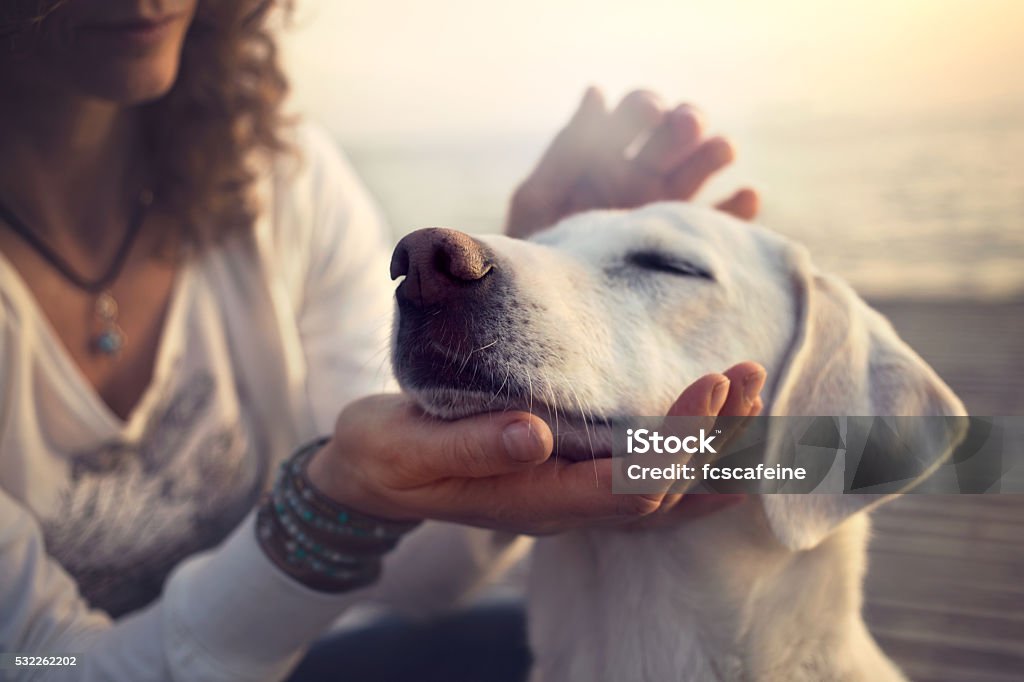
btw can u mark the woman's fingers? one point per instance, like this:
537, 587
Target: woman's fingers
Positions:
388, 438
700, 402
670, 143
708, 158
386, 458
704, 397
637, 113
605, 181
475, 447
744, 204
747, 380
734, 393
491, 470
568, 155
543, 197
554, 496
587, 167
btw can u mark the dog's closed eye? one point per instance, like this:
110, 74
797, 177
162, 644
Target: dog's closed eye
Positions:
667, 263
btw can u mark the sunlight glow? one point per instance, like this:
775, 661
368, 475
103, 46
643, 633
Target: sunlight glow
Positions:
457, 65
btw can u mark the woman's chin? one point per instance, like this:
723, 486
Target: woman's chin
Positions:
130, 84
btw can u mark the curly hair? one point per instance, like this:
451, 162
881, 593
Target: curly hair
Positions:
204, 136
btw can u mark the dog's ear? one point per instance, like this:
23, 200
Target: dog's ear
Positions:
846, 360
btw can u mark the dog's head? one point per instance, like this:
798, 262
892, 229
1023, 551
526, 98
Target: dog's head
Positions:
611, 314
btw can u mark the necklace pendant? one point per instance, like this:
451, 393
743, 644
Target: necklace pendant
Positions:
110, 339
109, 342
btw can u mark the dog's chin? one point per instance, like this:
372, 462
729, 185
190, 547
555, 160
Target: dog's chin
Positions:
455, 403
576, 437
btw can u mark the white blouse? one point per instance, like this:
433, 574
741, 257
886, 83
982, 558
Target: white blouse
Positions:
266, 339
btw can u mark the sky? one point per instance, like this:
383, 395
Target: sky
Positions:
454, 67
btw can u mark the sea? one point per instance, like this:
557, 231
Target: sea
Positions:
928, 207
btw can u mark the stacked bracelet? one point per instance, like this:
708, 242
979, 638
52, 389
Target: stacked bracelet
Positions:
321, 543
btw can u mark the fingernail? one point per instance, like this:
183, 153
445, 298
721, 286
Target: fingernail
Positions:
752, 385
690, 109
722, 150
684, 113
718, 396
523, 442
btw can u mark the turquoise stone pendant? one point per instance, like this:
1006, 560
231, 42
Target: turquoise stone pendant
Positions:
110, 339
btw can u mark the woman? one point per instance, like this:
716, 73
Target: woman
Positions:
190, 290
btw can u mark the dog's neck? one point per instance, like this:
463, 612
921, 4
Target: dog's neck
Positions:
715, 598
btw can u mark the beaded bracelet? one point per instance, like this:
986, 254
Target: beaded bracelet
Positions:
317, 541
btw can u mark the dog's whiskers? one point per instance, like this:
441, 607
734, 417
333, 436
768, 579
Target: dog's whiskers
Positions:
552, 400
529, 382
469, 356
586, 426
497, 394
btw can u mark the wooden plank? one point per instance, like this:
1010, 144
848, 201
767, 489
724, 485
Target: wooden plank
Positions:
944, 594
993, 655
975, 346
942, 672
900, 617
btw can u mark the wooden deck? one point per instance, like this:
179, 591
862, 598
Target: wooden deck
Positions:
945, 590
977, 348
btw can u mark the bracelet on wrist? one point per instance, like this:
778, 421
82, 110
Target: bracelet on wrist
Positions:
319, 542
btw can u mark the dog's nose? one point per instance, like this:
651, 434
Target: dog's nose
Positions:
438, 264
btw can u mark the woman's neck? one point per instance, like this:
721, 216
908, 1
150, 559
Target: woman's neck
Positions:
68, 167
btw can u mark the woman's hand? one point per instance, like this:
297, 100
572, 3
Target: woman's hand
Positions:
745, 382
587, 165
494, 470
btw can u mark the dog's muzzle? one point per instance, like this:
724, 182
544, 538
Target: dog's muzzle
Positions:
441, 267
451, 302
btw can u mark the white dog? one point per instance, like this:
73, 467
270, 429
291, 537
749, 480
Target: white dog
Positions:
610, 314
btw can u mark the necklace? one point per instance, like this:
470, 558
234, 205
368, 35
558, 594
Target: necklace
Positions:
108, 337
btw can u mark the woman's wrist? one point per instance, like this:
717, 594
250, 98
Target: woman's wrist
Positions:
333, 476
321, 543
